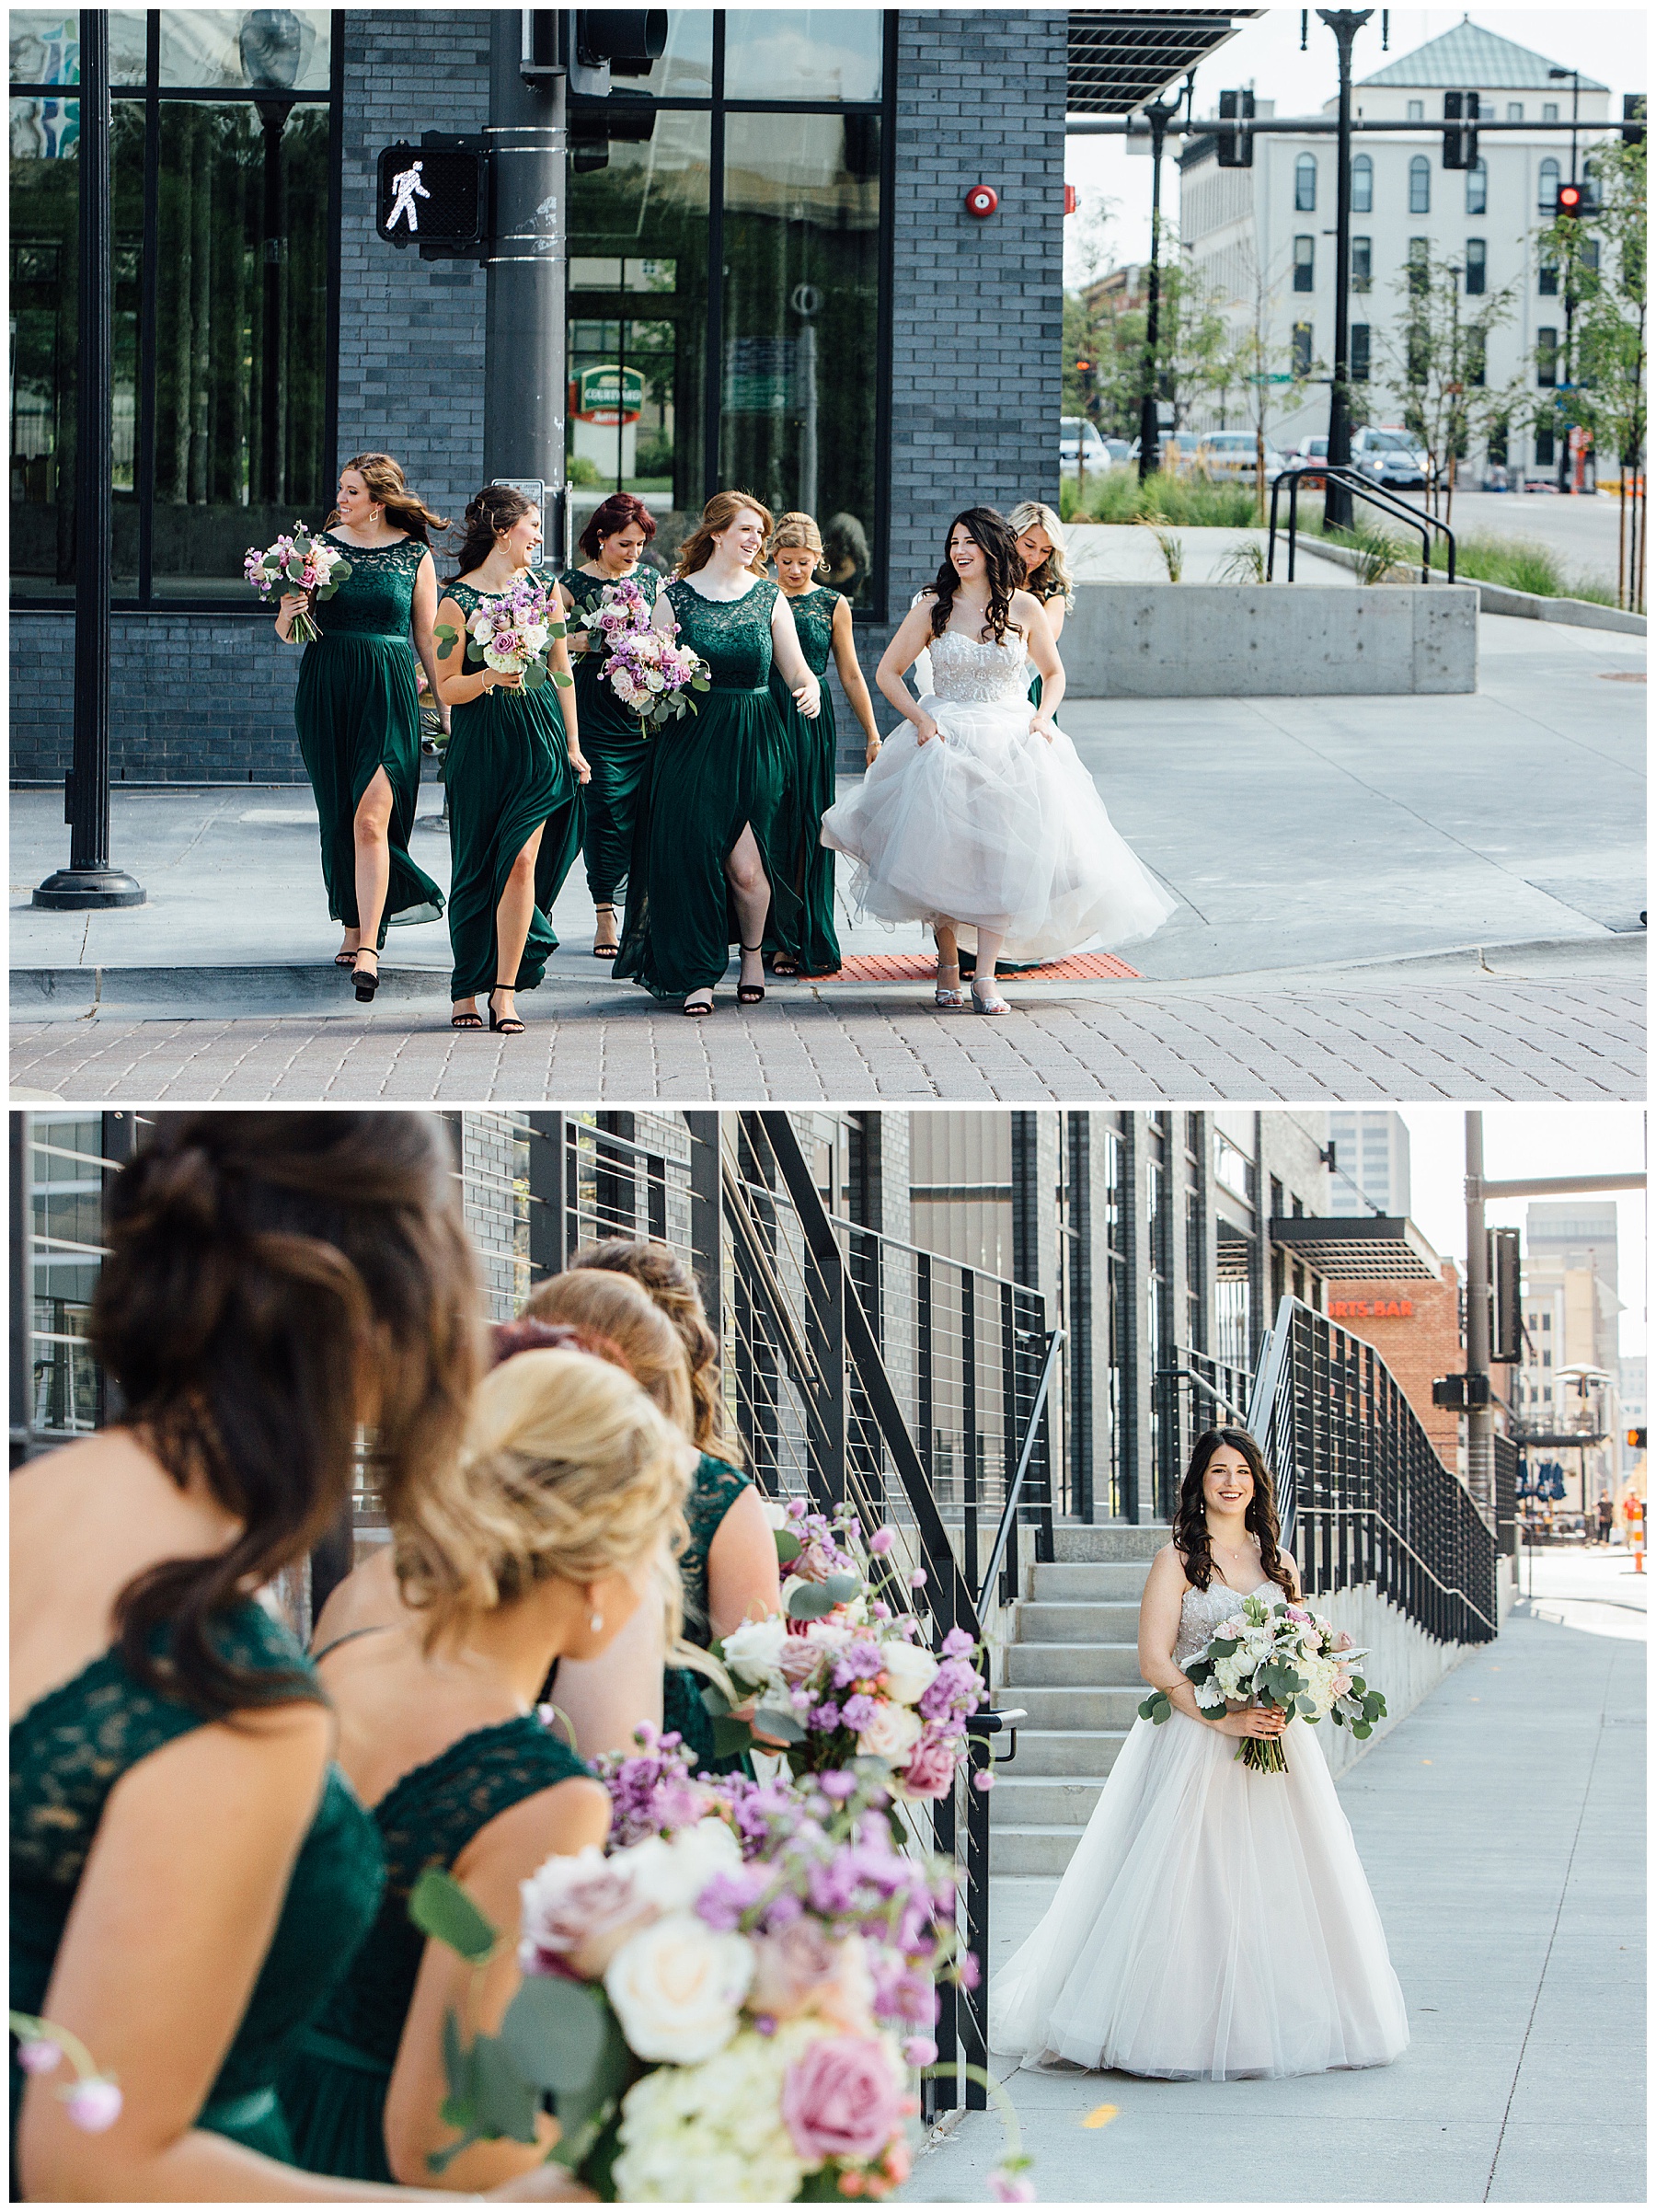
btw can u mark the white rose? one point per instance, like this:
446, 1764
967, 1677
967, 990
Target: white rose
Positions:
672, 1872
754, 1650
677, 1988
776, 1512
891, 1733
909, 1670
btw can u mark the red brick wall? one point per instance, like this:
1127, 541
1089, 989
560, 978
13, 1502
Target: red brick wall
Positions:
1415, 1328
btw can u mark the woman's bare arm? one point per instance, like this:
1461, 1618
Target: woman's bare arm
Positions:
424, 618
743, 1581
790, 659
1043, 653
855, 682
899, 657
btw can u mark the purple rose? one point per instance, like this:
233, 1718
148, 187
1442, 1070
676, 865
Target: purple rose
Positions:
839, 2099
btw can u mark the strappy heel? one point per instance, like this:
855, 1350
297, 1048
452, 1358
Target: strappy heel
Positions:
750, 994
697, 1013
950, 999
366, 985
504, 1025
605, 951
465, 1022
342, 959
993, 1003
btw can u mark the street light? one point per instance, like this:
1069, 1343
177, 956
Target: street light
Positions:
1573, 206
1158, 113
1345, 23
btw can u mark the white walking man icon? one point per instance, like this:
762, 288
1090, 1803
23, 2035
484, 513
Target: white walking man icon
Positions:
406, 186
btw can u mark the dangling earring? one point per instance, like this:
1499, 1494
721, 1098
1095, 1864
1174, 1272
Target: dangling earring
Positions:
595, 1623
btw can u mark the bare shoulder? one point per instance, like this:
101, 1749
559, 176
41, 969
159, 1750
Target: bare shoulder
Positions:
557, 1821
1167, 1569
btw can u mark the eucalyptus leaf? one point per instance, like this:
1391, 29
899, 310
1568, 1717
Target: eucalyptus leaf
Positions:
507, 2104
842, 1588
809, 1601
554, 2032
731, 1736
440, 1908
714, 1700
563, 682
779, 1721
1156, 1707
445, 634
788, 1547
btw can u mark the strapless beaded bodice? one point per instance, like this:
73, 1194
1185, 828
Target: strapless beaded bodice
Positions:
1203, 1610
978, 671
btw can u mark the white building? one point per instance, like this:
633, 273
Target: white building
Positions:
1570, 1379
1371, 1161
1272, 227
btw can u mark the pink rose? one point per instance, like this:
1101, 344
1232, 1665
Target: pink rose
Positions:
1342, 1684
930, 1769
1010, 2188
839, 2099
577, 1914
1297, 1613
797, 1969
1342, 1642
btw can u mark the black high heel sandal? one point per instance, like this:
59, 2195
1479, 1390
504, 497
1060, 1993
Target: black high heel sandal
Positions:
366, 985
504, 1025
750, 994
605, 951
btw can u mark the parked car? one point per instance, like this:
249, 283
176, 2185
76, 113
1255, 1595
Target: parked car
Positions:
1305, 452
1391, 457
1078, 440
1120, 450
1233, 454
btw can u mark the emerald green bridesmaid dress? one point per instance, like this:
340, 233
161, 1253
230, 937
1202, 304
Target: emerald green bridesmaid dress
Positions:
614, 743
358, 711
334, 2089
712, 773
713, 1491
508, 771
69, 1750
808, 793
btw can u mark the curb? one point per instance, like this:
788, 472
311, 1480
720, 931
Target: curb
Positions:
1501, 599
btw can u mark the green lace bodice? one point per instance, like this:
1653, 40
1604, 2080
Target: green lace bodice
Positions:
714, 1490
70, 1749
813, 614
732, 636
587, 591
428, 1818
376, 600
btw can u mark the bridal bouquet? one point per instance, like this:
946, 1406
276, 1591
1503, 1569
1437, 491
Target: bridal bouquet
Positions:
1281, 1655
510, 630
306, 562
650, 674
839, 1676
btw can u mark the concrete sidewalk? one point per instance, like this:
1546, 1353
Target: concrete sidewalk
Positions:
1502, 1826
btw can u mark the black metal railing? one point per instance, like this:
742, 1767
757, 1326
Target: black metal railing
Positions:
1195, 1392
1363, 488
1361, 1494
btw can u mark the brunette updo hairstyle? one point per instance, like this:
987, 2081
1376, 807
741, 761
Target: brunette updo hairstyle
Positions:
660, 1271
1189, 1522
612, 514
404, 510
718, 515
1002, 563
273, 1282
496, 510
800, 530
621, 1312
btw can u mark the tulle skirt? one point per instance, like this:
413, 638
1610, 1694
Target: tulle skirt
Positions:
1214, 1922
996, 827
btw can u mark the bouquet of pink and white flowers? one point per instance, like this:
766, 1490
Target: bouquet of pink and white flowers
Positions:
307, 561
1282, 1656
510, 630
650, 674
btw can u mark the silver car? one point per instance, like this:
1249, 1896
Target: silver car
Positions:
1226, 454
1391, 457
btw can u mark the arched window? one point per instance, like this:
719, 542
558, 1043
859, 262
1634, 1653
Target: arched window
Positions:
1420, 186
1305, 184
1477, 188
1547, 199
1362, 186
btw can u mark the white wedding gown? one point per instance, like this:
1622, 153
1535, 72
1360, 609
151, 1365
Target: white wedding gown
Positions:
993, 824
1214, 1922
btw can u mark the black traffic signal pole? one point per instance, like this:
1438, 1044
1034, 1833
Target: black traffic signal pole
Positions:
1345, 23
90, 880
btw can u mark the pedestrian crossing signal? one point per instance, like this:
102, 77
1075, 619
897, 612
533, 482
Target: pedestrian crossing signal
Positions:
432, 195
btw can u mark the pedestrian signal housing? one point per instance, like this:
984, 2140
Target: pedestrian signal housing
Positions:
1636, 1440
1506, 1314
1234, 148
611, 42
1460, 145
433, 195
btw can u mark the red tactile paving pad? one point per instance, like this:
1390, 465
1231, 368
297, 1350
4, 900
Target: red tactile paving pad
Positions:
909, 967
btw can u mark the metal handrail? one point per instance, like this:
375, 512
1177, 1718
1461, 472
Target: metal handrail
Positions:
1008, 1511
1376, 496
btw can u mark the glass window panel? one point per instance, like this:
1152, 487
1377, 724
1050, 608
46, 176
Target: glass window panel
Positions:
637, 327
241, 354
802, 235
45, 46
260, 48
66, 1208
812, 53
1420, 186
1362, 185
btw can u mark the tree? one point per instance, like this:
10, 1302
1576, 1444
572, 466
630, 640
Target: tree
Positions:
1437, 357
1251, 361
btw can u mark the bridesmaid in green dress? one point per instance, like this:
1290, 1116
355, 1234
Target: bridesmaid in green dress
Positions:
822, 619
515, 771
613, 740
358, 711
703, 877
189, 1873
543, 1542
1046, 573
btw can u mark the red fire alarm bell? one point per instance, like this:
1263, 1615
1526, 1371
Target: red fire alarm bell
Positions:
981, 199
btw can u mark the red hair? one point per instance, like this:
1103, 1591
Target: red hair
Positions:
614, 513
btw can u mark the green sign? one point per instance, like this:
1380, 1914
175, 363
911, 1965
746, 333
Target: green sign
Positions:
1275, 377
609, 394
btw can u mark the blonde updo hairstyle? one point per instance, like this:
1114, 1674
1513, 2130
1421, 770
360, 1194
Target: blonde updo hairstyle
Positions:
567, 1470
670, 1285
1053, 579
717, 516
614, 1306
797, 529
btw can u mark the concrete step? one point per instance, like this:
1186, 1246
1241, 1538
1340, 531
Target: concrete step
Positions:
1078, 1581
1022, 1800
1073, 1666
1074, 1620
1073, 1546
1067, 1709
1031, 1850
1044, 1753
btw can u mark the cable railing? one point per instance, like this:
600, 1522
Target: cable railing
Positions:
1361, 1494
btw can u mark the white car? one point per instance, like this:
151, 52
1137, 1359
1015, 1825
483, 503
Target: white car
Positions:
1078, 439
1234, 453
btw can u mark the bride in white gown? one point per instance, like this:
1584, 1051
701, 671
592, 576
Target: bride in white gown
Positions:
1214, 1921
978, 811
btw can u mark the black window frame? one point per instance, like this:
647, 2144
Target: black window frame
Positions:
1362, 263
1360, 367
1304, 262
1548, 355
151, 94
1419, 172
1477, 267
1362, 184
1477, 188
1304, 166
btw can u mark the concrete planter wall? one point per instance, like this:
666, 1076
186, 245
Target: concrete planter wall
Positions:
1227, 640
1534, 607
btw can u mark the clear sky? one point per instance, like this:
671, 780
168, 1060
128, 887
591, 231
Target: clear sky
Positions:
1607, 43
1531, 1140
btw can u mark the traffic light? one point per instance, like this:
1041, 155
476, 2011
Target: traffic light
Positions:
614, 41
1635, 1439
1460, 145
433, 195
1633, 116
593, 131
1235, 147
1572, 199
1506, 1312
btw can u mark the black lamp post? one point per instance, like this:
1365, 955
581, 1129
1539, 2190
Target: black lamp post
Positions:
1158, 113
1345, 23
90, 880
1567, 411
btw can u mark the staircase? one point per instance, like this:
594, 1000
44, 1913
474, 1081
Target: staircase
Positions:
1073, 1665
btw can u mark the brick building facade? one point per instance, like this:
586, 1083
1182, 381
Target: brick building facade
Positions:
1416, 1329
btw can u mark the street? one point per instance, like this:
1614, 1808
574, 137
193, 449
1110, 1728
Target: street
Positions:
1501, 1827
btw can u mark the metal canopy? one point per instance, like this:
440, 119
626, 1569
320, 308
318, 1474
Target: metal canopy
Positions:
1119, 58
1381, 1249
